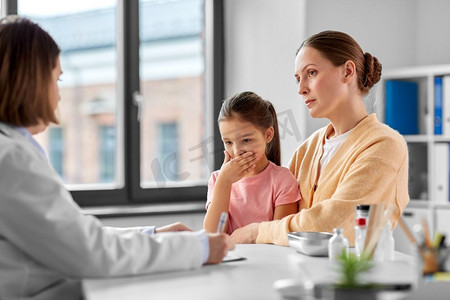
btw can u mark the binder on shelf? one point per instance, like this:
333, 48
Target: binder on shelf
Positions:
401, 106
441, 172
438, 105
418, 171
446, 105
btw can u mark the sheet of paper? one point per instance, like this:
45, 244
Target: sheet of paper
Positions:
231, 257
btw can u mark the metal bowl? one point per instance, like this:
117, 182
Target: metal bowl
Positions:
310, 243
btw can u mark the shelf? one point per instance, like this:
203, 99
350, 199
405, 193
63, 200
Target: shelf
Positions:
417, 71
415, 203
438, 138
442, 205
427, 154
421, 138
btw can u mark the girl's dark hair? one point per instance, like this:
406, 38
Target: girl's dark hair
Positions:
338, 47
28, 55
249, 107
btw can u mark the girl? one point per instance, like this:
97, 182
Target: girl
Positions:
251, 186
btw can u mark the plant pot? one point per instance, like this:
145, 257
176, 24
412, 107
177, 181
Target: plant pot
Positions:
341, 293
354, 294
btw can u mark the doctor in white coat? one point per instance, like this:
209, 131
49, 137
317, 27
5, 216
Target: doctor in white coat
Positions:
46, 244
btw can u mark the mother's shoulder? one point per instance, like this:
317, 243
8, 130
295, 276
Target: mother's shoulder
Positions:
377, 133
377, 130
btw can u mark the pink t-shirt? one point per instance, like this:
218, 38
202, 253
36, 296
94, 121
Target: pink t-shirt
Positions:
254, 198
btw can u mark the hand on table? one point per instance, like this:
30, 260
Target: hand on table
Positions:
178, 226
246, 234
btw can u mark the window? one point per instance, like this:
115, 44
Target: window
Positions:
172, 70
56, 149
138, 103
86, 35
107, 153
166, 164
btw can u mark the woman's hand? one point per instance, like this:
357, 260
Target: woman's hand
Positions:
246, 234
233, 169
178, 226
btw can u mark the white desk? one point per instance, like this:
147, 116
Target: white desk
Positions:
249, 279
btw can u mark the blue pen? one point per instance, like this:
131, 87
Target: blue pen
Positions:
222, 222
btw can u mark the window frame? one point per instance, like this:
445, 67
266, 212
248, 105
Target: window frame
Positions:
128, 84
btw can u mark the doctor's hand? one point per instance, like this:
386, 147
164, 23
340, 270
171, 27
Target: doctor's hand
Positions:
233, 169
178, 226
219, 244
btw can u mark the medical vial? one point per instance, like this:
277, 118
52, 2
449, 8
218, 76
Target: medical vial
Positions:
362, 211
386, 245
337, 244
360, 235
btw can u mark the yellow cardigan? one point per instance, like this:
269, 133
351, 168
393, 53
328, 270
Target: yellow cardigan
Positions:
371, 166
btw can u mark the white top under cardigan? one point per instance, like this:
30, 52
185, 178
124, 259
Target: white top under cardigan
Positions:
47, 245
331, 146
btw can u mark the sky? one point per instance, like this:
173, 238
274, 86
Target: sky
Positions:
58, 7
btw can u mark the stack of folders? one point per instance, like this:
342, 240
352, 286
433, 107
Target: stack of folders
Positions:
442, 128
442, 105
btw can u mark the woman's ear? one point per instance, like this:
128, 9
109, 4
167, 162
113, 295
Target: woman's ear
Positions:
269, 134
349, 70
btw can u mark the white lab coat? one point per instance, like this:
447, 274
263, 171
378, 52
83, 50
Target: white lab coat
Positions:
47, 244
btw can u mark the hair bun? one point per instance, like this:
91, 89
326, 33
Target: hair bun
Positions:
372, 71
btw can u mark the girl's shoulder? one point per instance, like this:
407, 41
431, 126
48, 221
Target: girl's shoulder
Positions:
214, 176
280, 173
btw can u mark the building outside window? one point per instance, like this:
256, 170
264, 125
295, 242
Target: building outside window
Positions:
56, 149
107, 153
166, 166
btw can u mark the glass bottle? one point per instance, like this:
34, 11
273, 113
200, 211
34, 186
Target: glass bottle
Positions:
386, 245
337, 243
360, 235
390, 243
362, 211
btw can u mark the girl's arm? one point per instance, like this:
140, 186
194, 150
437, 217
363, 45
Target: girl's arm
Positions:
232, 170
284, 210
220, 203
288, 195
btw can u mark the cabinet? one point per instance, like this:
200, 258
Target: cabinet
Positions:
425, 162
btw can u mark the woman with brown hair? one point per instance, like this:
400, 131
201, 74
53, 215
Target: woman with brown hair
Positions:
354, 160
46, 244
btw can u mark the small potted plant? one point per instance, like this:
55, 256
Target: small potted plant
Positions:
350, 285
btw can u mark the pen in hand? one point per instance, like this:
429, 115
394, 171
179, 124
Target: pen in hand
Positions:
222, 222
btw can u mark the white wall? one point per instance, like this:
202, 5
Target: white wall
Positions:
433, 37
385, 28
261, 38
